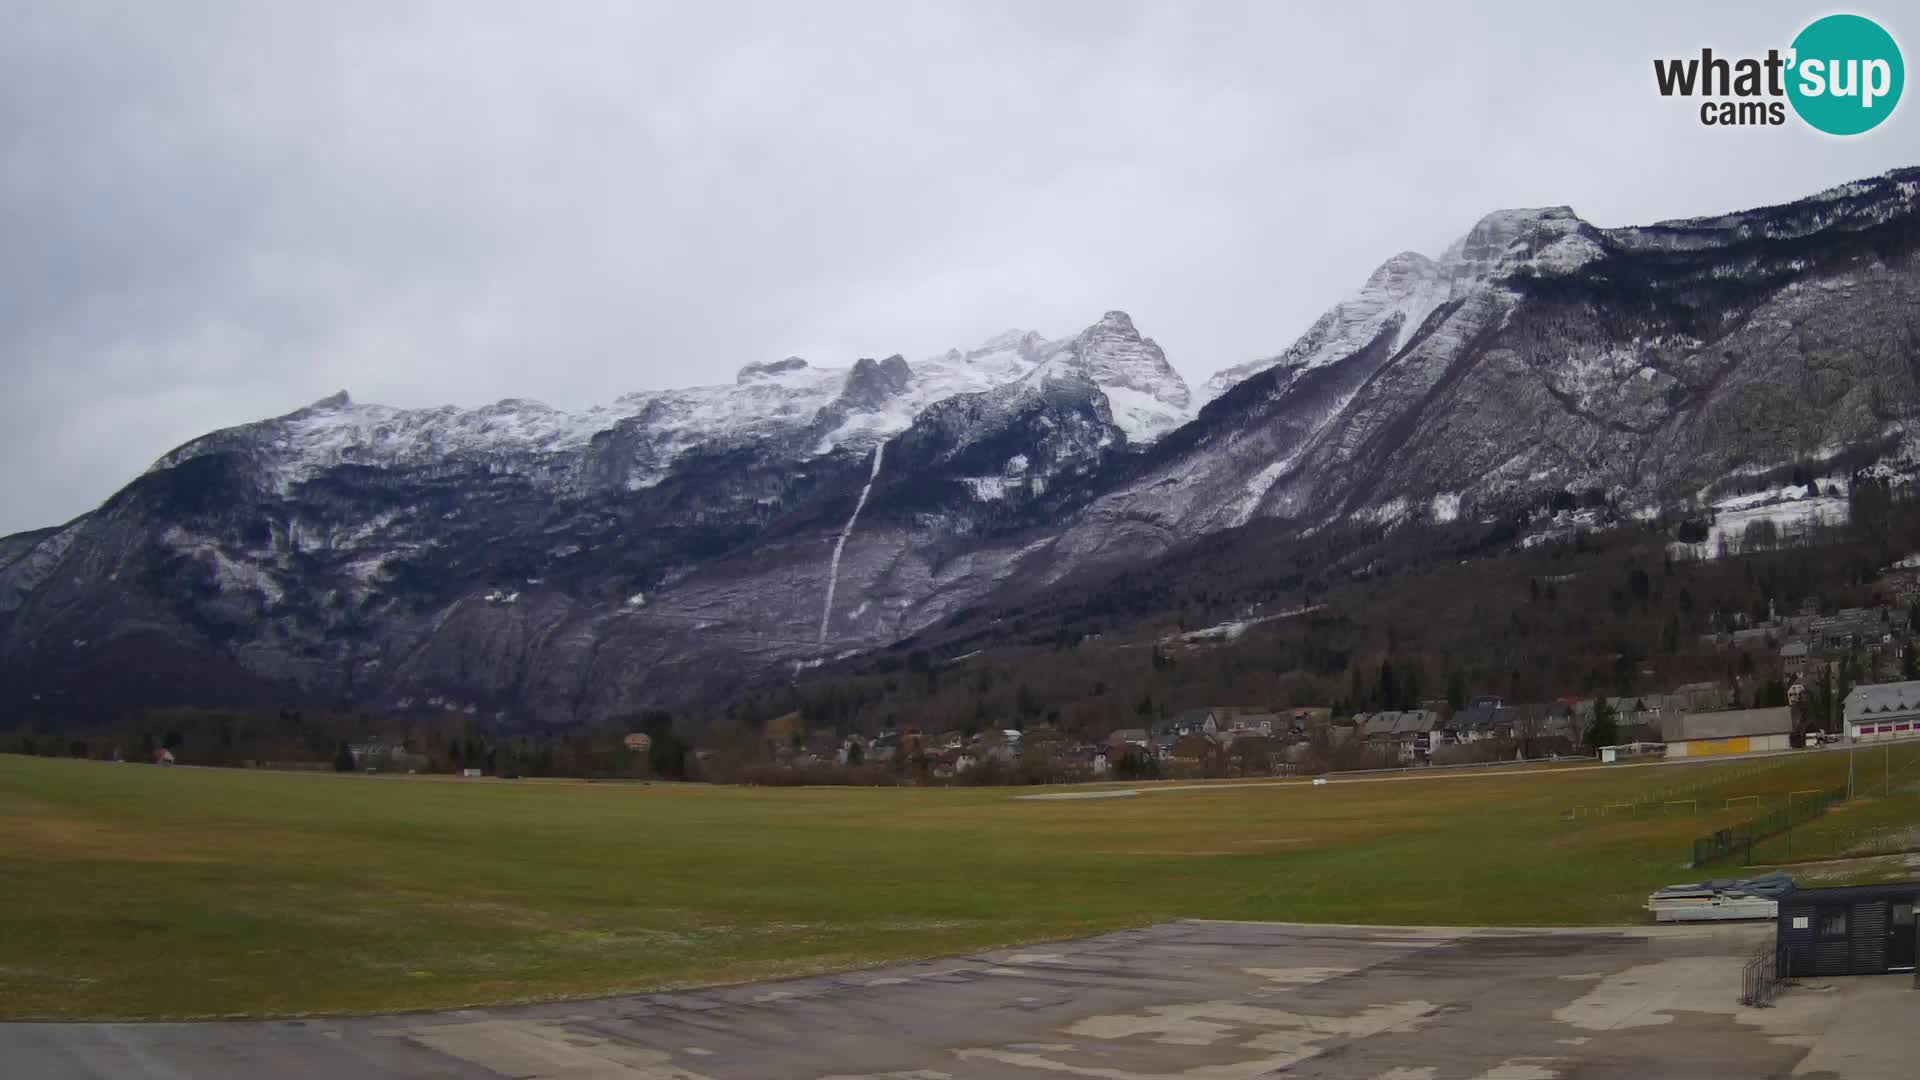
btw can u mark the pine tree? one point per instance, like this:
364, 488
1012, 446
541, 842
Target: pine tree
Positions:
343, 761
1606, 729
1387, 693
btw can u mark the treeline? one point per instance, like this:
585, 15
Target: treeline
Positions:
292, 738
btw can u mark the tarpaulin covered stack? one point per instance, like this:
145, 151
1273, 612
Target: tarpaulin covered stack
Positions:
1722, 898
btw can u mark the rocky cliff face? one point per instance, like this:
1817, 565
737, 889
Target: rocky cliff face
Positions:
1647, 362
534, 567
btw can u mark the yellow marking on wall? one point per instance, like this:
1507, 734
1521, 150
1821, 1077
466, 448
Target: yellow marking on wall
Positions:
1718, 747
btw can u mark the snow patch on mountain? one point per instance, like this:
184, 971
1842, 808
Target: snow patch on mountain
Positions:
1233, 630
229, 575
1143, 416
1391, 512
1257, 488
840, 545
1792, 510
989, 488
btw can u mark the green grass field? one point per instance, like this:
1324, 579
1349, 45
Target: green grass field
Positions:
1885, 819
132, 891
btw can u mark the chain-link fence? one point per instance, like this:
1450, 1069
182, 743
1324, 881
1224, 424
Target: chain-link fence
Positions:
1690, 797
1738, 841
1807, 845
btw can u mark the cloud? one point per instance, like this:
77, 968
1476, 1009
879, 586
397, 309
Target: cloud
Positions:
220, 212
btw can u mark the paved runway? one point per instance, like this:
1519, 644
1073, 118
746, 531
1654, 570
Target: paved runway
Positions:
1188, 1000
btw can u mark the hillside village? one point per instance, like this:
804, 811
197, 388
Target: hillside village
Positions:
1699, 719
1850, 673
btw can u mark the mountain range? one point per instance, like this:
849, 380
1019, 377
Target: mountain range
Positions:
535, 567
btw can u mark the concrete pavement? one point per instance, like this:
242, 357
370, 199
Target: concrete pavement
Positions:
1190, 1000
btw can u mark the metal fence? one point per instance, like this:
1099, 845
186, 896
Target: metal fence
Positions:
1717, 777
1762, 978
1809, 844
1738, 840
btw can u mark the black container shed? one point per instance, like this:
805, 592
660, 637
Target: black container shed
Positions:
1848, 930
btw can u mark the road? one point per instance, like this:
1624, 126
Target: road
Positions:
1503, 769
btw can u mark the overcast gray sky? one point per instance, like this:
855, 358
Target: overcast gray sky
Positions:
214, 212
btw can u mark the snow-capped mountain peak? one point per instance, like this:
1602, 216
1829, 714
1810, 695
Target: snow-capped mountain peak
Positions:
1547, 240
1148, 398
1410, 286
1400, 273
834, 408
1399, 295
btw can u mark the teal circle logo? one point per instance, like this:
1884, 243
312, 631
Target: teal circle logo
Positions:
1846, 75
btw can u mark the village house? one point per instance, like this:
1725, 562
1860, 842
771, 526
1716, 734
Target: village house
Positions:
1418, 735
1375, 727
1263, 723
1851, 627
852, 750
1698, 697
1633, 730
1485, 719
1194, 722
1002, 746
1194, 751
1793, 659
1094, 758
1903, 582
1546, 729
1252, 752
1410, 733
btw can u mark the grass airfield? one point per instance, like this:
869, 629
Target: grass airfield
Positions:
139, 892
